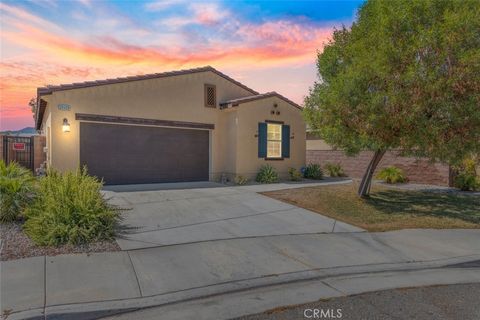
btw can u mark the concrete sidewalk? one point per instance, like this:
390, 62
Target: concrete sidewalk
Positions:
336, 263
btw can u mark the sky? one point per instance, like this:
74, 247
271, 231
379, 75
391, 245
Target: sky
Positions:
267, 45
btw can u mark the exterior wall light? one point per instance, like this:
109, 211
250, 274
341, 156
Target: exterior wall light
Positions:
66, 125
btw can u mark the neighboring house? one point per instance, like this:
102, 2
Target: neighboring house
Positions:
417, 170
189, 125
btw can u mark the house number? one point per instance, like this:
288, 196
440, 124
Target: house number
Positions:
64, 107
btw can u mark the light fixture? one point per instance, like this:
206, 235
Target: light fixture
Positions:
66, 125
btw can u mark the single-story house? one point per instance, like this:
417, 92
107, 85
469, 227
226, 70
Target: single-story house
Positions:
188, 125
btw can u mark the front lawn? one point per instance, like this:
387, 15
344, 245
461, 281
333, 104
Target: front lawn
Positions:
387, 208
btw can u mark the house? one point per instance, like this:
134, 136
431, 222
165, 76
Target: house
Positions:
188, 125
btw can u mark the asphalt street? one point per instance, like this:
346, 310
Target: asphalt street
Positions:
451, 302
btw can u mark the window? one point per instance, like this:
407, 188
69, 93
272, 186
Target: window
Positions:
210, 96
274, 140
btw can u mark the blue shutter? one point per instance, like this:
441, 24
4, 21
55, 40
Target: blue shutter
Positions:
262, 140
285, 141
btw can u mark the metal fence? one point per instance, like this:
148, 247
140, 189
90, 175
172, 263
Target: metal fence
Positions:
18, 149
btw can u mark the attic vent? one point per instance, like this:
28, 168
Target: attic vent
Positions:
210, 96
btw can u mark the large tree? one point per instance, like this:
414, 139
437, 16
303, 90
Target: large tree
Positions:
405, 76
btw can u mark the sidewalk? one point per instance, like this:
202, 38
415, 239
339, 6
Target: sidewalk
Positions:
329, 264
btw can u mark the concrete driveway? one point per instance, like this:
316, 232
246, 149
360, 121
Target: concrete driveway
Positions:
213, 212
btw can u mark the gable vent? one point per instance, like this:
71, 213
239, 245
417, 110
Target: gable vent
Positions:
210, 96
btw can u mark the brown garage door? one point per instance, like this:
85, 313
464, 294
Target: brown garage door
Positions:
122, 154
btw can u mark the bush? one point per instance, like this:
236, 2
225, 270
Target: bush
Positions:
392, 175
295, 175
467, 182
335, 170
69, 208
267, 174
313, 171
467, 178
240, 180
16, 190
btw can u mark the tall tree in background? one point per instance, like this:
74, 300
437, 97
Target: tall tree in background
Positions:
33, 106
405, 76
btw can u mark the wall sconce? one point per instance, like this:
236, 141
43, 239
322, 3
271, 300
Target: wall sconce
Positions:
66, 125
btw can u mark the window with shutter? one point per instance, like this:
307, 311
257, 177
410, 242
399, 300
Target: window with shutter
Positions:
210, 96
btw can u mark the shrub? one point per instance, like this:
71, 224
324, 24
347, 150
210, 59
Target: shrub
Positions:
392, 175
240, 180
69, 208
16, 190
267, 174
295, 175
467, 182
467, 178
313, 171
335, 170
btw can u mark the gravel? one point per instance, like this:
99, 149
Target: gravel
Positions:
16, 245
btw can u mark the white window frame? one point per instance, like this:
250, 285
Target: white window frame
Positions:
275, 140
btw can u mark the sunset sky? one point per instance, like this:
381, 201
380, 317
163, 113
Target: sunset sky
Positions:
269, 45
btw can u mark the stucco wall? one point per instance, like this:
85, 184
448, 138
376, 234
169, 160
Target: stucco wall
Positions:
172, 98
249, 115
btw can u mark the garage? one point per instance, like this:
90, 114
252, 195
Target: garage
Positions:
128, 154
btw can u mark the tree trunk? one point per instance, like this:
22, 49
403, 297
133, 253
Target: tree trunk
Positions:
364, 188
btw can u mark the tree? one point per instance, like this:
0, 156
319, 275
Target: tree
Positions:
33, 106
405, 76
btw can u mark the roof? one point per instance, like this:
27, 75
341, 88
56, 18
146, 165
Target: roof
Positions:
51, 88
236, 102
41, 104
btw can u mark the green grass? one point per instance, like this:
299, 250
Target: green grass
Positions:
387, 208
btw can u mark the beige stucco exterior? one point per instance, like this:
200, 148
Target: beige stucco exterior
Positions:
249, 115
233, 145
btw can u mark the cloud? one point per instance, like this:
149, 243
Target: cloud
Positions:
24, 16
86, 3
37, 52
45, 3
161, 5
208, 13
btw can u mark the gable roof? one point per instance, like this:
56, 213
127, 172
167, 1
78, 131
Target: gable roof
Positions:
52, 88
236, 102
41, 104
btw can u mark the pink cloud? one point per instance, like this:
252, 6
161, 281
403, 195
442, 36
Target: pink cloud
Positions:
208, 13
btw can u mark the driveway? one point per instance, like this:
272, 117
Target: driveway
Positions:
213, 212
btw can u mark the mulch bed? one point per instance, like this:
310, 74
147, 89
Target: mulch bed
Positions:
16, 245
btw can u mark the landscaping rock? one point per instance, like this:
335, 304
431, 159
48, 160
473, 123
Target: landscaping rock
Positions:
16, 245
